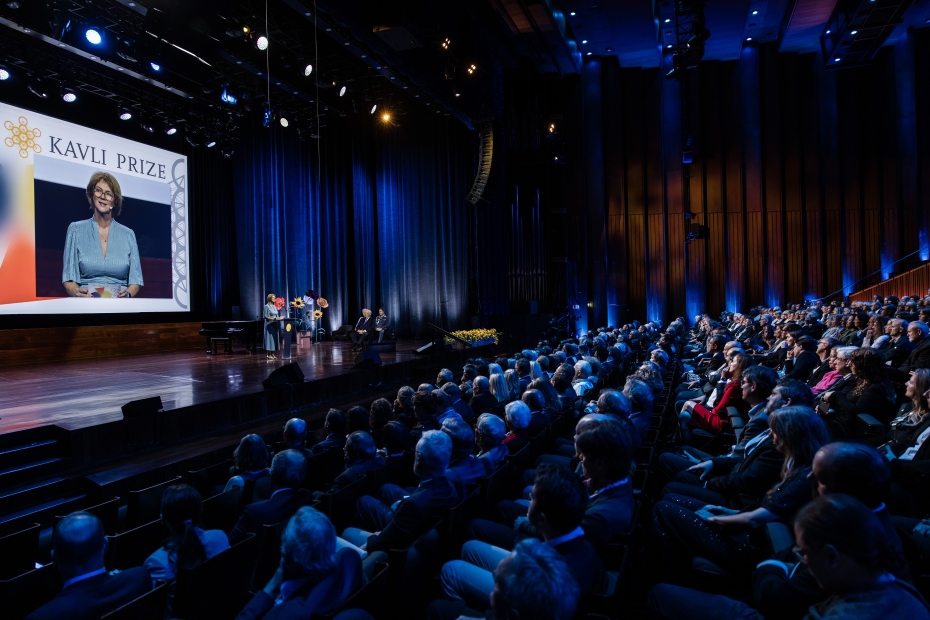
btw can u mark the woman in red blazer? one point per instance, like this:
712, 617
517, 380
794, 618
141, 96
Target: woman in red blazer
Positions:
696, 415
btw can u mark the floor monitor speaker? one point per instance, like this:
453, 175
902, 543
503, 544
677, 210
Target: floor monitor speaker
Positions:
367, 359
287, 374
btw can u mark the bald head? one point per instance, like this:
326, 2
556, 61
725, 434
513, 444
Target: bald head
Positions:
78, 545
295, 432
854, 469
359, 446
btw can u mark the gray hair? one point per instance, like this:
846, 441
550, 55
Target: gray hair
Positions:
582, 369
535, 582
661, 355
495, 369
921, 326
843, 353
452, 390
405, 396
445, 375
491, 427
463, 438
288, 469
443, 400
435, 450
365, 311
536, 371
499, 387
639, 393
614, 402
309, 541
518, 414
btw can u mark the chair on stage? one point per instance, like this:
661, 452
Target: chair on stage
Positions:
343, 333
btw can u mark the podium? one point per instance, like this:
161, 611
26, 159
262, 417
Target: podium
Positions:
288, 334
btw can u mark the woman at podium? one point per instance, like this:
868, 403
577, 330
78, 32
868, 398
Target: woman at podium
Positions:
271, 327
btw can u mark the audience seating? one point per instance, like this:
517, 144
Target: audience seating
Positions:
41, 584
130, 548
339, 506
144, 505
322, 469
107, 512
19, 552
221, 512
210, 477
149, 606
491, 489
370, 597
397, 471
218, 588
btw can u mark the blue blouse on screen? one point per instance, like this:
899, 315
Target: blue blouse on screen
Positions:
84, 262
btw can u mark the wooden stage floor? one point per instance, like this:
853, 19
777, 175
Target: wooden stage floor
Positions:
79, 394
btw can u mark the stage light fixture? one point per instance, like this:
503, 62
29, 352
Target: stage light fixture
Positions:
668, 47
836, 60
308, 70
155, 66
755, 12
446, 43
386, 117
342, 91
227, 152
267, 114
93, 36
37, 88
584, 41
472, 68
261, 43
589, 53
192, 140
68, 95
667, 20
211, 143
829, 31
854, 32
4, 73
283, 121
749, 38
373, 108
227, 97
170, 129
572, 13
147, 126
124, 114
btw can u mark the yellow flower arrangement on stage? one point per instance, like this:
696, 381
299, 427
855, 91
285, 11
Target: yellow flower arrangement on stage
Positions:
475, 335
318, 314
322, 303
297, 304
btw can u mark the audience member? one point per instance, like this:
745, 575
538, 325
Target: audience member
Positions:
288, 469
361, 456
334, 430
490, 432
464, 467
482, 400
517, 416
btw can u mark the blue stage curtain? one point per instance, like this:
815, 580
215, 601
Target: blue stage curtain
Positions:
368, 216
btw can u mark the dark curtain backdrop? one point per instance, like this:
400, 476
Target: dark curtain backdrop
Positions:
808, 180
377, 217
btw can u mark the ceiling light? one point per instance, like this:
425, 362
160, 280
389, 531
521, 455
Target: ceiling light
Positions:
572, 13
155, 66
124, 114
755, 12
4, 73
386, 117
749, 38
667, 20
342, 91
93, 36
261, 43
211, 143
583, 41
446, 43
472, 69
170, 129
283, 121
68, 95
36, 88
308, 70
854, 32
373, 108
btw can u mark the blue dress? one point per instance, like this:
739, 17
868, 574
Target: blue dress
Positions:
84, 262
271, 328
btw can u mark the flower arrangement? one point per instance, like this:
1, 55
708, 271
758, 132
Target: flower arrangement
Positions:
279, 302
312, 294
297, 304
475, 335
322, 303
318, 314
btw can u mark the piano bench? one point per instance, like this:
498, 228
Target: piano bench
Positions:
227, 344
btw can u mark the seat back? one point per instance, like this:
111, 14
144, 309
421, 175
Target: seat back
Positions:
41, 584
414, 565
217, 588
339, 506
144, 505
149, 606
456, 523
19, 551
269, 556
492, 488
220, 512
208, 478
107, 512
370, 597
538, 444
518, 462
395, 472
130, 548
321, 468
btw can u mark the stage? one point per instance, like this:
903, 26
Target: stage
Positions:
79, 394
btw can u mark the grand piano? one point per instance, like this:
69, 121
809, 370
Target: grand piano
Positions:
246, 331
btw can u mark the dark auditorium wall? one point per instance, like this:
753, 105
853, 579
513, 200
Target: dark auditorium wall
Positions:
381, 221
809, 180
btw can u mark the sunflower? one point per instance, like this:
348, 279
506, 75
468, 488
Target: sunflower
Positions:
318, 314
322, 303
297, 303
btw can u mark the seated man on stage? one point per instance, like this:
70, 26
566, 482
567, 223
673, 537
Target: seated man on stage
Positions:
363, 329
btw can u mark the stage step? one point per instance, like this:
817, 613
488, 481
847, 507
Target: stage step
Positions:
29, 436
22, 474
28, 453
23, 496
43, 513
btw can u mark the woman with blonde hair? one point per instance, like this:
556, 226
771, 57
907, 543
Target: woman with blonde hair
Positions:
271, 327
513, 382
499, 387
913, 416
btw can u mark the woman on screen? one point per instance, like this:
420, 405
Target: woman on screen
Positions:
101, 255
271, 327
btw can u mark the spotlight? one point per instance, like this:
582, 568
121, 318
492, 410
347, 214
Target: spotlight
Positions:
667, 20
755, 12
386, 117
68, 95
551, 127
267, 114
749, 38
854, 32
261, 43
37, 88
192, 140
211, 143
829, 31
227, 97
446, 43
584, 41
246, 30
170, 129
4, 73
227, 152
124, 114
836, 60
471, 69
283, 121
147, 126
373, 108
589, 53
668, 47
572, 13
458, 94
93, 36
308, 70
342, 91
155, 66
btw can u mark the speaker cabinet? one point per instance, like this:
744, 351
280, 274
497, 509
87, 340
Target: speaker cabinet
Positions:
287, 374
367, 359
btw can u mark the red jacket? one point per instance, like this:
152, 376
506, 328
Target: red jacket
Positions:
732, 397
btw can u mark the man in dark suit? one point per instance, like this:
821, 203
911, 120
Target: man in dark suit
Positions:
557, 507
361, 456
458, 404
482, 400
919, 357
464, 467
364, 327
295, 434
335, 430
605, 450
88, 591
313, 577
523, 371
539, 416
288, 469
802, 359
397, 519
899, 346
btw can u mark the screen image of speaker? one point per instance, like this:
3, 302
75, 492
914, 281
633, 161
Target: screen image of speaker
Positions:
287, 374
367, 359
